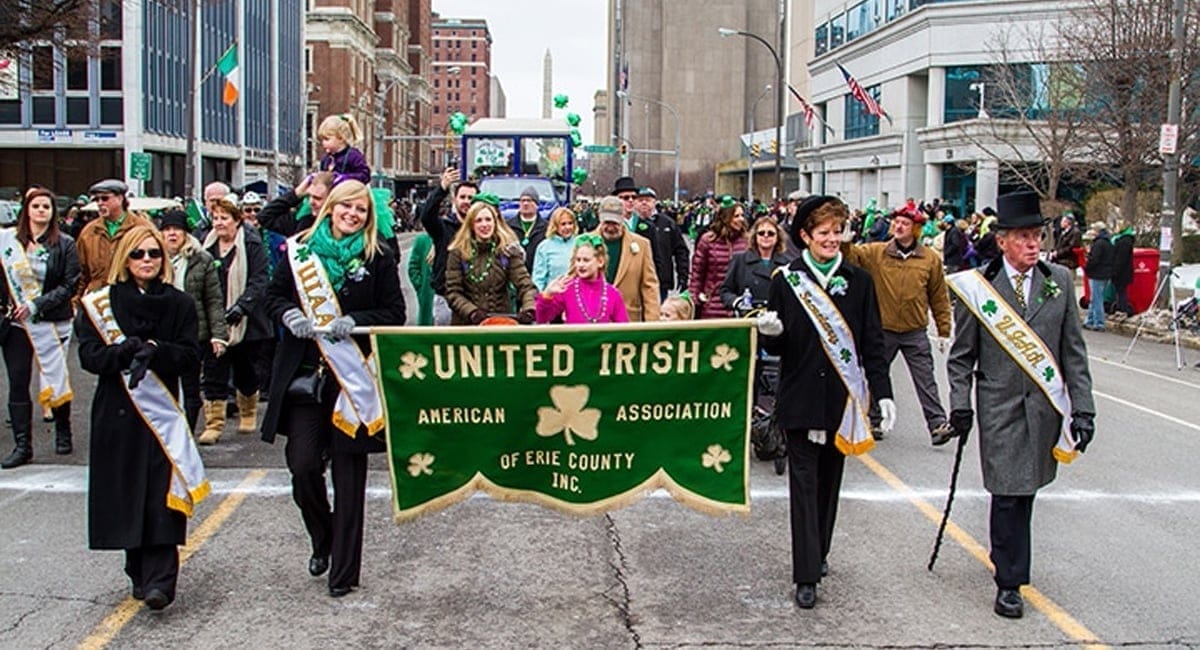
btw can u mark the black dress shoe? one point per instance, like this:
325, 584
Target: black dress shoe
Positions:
806, 596
156, 599
137, 593
338, 592
1009, 603
824, 568
318, 564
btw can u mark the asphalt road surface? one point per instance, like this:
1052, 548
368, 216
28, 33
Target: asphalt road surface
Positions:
1112, 565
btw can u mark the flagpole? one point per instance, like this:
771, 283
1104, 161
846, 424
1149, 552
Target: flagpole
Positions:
189, 156
804, 102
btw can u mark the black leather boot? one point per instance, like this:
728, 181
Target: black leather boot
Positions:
22, 423
62, 429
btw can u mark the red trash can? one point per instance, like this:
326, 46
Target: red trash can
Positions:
1145, 278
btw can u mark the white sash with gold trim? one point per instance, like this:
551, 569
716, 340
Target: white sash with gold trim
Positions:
854, 431
160, 412
48, 352
1023, 345
359, 402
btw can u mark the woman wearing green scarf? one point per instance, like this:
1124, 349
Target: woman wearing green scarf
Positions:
365, 285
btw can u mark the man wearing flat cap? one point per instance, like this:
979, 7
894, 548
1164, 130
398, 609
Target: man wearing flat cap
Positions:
630, 263
529, 226
666, 240
99, 238
1019, 344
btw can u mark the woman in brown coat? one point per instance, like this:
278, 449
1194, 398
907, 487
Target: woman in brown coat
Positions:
480, 268
725, 238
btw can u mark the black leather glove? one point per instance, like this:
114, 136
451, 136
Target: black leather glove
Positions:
1083, 428
234, 315
141, 363
962, 420
128, 348
478, 316
526, 317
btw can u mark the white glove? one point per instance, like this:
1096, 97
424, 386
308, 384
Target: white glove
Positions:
847, 234
943, 344
298, 324
340, 327
887, 412
768, 324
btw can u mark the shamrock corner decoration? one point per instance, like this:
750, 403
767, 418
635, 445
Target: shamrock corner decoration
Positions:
715, 457
723, 357
418, 464
412, 365
568, 415
989, 308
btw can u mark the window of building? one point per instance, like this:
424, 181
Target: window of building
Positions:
77, 111
112, 111
837, 31
10, 112
43, 68
821, 36
860, 123
859, 20
77, 69
110, 19
43, 110
896, 8
110, 68
961, 103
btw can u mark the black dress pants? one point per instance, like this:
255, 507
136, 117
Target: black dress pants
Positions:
814, 481
153, 567
18, 361
1011, 517
239, 359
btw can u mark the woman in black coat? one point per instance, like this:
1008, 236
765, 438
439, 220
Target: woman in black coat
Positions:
363, 274
753, 268
812, 396
128, 472
53, 261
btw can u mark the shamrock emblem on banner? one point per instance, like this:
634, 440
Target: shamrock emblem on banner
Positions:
989, 308
793, 278
845, 355
568, 414
411, 365
1048, 373
723, 356
303, 253
419, 464
714, 457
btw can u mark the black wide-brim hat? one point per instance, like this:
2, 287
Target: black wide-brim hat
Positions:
806, 208
1019, 210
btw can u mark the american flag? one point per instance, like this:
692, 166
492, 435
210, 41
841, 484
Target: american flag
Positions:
809, 114
861, 94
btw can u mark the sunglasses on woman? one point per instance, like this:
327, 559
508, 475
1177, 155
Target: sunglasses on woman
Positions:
139, 253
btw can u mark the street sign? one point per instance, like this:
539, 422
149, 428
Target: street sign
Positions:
139, 165
599, 148
1168, 138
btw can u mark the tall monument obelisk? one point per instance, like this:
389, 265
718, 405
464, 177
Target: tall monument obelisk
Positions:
547, 84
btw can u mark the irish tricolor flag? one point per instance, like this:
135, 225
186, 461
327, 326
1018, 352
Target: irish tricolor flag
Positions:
228, 65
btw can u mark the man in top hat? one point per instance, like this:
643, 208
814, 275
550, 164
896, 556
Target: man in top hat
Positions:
666, 240
909, 283
1019, 344
99, 238
626, 190
528, 225
630, 262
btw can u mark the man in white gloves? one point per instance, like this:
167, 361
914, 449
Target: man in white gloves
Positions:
909, 283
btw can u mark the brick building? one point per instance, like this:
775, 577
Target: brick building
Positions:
462, 63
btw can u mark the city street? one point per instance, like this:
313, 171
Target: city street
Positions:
1111, 540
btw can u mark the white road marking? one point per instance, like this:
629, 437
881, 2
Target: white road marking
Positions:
72, 480
1173, 380
1139, 407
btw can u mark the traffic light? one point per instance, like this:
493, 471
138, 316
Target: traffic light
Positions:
623, 149
774, 145
755, 150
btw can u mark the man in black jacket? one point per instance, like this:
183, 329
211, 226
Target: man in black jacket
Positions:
666, 242
1100, 266
280, 214
442, 229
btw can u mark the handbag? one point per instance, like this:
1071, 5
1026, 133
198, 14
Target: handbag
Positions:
307, 386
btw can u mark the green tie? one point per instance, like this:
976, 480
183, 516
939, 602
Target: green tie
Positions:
1019, 288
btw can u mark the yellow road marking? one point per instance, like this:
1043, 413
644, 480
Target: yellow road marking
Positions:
1057, 615
107, 630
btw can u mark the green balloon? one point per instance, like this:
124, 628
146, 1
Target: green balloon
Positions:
576, 138
573, 119
458, 123
560, 101
579, 175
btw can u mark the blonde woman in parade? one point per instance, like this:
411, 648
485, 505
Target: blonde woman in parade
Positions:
552, 259
138, 334
40, 269
242, 269
324, 396
484, 259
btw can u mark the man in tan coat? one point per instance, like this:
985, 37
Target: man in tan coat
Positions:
630, 263
909, 283
99, 238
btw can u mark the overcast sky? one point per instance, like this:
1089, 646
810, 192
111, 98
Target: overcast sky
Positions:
575, 32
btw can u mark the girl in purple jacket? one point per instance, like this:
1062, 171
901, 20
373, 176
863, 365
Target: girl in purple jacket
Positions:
583, 296
339, 133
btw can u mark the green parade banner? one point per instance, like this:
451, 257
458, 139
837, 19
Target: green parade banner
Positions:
581, 419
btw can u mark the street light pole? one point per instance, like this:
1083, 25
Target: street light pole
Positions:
750, 149
779, 90
674, 114
1171, 160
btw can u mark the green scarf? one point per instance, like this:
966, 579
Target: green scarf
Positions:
338, 256
823, 267
113, 226
614, 259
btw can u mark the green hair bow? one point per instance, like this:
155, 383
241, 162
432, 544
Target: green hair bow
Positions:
685, 295
726, 201
591, 239
488, 198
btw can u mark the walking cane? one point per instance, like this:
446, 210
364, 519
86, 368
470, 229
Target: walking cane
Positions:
937, 544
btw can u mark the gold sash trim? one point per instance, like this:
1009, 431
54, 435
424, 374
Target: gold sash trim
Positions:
48, 352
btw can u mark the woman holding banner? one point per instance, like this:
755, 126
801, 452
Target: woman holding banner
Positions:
823, 321
324, 396
483, 261
40, 270
144, 473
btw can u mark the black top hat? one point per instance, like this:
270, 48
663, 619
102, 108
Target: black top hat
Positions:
624, 184
1019, 210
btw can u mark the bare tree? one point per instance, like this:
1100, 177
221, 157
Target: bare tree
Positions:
25, 24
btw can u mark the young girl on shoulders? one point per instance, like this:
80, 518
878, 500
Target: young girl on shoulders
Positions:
339, 133
583, 296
